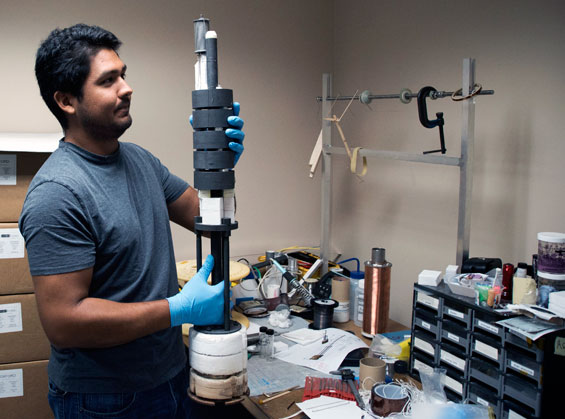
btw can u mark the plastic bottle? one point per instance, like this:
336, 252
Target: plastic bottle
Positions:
354, 278
359, 302
522, 270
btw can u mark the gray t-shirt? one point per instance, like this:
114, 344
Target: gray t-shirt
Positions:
110, 213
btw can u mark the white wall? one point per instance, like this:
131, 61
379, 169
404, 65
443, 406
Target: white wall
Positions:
270, 53
411, 208
273, 55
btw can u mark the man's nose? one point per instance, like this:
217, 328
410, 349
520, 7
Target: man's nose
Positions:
125, 89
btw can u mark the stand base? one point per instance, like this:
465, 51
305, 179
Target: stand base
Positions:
214, 403
218, 389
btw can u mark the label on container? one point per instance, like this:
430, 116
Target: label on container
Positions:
426, 325
427, 300
11, 383
7, 169
522, 368
424, 346
482, 401
455, 313
420, 366
12, 244
454, 385
11, 318
560, 346
513, 415
453, 337
452, 360
487, 326
486, 350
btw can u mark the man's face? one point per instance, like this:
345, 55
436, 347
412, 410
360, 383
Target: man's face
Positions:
103, 111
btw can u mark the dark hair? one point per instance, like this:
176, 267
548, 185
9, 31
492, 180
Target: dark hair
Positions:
62, 62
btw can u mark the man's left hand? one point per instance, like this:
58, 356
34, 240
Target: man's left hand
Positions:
234, 133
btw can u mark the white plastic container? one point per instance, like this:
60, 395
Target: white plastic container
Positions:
551, 253
554, 280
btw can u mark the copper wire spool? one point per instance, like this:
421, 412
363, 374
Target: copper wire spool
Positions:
388, 398
377, 294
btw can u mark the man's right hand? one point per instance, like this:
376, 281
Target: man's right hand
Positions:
198, 303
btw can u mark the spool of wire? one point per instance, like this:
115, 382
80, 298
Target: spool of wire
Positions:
323, 313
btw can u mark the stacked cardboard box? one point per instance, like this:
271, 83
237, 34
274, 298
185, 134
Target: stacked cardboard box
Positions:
24, 348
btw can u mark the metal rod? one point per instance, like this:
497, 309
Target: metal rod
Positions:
227, 282
326, 175
466, 168
400, 155
436, 95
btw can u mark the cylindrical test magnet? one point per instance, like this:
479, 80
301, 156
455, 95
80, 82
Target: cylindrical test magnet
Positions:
377, 293
214, 180
211, 118
210, 139
210, 160
212, 98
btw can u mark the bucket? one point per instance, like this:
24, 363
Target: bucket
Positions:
551, 253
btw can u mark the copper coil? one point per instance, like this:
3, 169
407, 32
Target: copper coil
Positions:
376, 298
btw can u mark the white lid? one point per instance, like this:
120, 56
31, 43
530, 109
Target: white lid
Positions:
554, 277
552, 237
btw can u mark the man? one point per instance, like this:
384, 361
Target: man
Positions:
96, 225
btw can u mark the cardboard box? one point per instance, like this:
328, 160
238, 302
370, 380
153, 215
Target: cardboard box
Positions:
21, 335
15, 277
23, 390
17, 169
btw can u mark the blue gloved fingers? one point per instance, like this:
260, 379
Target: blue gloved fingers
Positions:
206, 268
235, 134
190, 119
236, 108
236, 122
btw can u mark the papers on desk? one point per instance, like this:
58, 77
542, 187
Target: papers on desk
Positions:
324, 357
325, 407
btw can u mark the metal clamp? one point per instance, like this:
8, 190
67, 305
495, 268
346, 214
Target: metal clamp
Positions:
424, 93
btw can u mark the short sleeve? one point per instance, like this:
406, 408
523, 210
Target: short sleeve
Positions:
57, 231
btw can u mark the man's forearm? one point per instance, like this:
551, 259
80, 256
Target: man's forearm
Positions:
98, 323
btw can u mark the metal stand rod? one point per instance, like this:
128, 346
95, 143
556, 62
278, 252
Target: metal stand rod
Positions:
326, 174
436, 95
226, 266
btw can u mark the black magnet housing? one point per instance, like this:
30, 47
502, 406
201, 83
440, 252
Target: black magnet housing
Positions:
213, 160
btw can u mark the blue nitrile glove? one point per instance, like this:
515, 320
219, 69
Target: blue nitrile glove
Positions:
198, 303
234, 133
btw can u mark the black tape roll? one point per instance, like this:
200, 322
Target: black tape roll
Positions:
214, 180
211, 118
209, 160
210, 139
212, 98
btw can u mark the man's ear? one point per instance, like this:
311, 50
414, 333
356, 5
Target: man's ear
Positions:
65, 101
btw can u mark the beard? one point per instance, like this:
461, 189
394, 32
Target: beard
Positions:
105, 130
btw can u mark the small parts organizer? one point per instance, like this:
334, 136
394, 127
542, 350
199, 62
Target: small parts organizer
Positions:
485, 364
